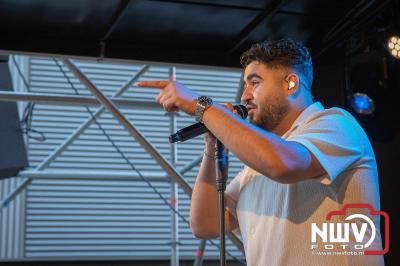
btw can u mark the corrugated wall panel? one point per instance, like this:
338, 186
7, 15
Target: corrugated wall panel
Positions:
108, 218
12, 219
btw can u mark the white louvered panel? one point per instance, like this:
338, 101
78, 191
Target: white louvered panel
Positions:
18, 83
108, 218
12, 221
113, 211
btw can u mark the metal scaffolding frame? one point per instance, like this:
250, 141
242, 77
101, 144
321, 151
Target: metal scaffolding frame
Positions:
175, 176
174, 185
48, 98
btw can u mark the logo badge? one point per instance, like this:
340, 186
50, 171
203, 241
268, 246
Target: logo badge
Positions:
336, 235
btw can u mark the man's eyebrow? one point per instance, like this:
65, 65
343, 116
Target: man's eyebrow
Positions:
253, 75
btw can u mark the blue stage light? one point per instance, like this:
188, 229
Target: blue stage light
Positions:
362, 103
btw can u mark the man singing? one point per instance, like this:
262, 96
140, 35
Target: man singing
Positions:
301, 162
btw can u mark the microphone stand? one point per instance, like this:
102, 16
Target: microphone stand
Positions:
222, 176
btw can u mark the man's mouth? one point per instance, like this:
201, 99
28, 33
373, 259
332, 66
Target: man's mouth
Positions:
250, 110
250, 107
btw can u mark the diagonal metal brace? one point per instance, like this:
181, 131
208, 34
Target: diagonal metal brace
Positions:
171, 171
112, 108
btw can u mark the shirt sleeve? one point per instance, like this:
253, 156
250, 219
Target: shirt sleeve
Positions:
334, 140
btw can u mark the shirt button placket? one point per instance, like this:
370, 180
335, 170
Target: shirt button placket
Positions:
252, 231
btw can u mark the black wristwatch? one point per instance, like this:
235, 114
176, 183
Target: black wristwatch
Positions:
203, 103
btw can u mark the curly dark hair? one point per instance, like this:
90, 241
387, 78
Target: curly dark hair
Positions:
285, 53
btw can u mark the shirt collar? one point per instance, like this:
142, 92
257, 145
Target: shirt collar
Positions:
313, 108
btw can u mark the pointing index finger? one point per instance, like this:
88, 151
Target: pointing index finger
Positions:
158, 84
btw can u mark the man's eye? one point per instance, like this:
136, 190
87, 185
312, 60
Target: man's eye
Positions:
254, 82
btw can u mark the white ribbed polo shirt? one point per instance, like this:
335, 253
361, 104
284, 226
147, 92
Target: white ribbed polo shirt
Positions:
275, 219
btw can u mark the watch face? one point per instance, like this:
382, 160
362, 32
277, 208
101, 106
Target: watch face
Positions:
204, 100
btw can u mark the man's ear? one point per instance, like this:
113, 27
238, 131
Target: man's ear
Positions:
293, 83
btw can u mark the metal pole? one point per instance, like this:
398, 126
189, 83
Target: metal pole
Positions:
120, 175
222, 176
48, 98
68, 141
131, 129
200, 253
191, 164
98, 175
174, 186
240, 89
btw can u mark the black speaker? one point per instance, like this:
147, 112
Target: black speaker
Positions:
13, 157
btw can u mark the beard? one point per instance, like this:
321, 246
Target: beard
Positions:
270, 113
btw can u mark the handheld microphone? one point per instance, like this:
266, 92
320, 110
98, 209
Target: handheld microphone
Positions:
199, 128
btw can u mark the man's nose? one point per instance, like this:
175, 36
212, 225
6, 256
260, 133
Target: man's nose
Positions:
247, 95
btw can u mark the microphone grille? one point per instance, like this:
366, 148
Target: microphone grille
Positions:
242, 110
